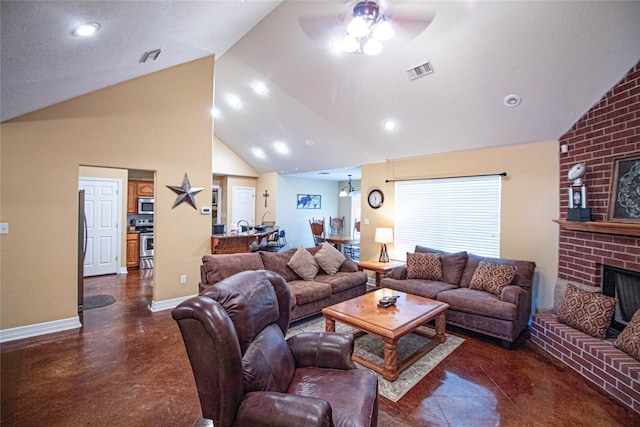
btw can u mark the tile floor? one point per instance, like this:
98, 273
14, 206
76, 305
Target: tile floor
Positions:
127, 367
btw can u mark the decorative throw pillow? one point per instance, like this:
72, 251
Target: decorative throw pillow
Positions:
304, 264
424, 266
329, 258
492, 277
629, 339
589, 312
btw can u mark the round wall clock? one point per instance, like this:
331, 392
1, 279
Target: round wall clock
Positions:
375, 199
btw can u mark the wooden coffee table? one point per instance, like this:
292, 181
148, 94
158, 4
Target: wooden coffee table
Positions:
390, 324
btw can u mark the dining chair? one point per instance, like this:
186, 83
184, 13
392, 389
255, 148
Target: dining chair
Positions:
353, 250
317, 229
337, 225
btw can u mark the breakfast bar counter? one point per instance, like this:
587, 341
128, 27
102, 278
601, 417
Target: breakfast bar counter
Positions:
234, 242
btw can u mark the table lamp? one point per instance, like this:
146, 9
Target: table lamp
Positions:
384, 236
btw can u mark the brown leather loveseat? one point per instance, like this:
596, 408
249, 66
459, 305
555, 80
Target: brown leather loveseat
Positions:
247, 374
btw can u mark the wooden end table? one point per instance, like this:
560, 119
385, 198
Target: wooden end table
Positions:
380, 268
390, 324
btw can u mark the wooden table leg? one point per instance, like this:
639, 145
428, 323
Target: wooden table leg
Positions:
390, 361
440, 327
330, 325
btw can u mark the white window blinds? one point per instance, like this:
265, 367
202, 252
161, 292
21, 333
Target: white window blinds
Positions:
452, 214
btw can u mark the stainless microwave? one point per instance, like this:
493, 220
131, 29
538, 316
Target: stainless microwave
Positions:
145, 205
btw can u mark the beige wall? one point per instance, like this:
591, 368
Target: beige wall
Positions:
226, 162
122, 175
159, 122
269, 182
529, 201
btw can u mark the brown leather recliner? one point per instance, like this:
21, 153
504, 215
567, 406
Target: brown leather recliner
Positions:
247, 374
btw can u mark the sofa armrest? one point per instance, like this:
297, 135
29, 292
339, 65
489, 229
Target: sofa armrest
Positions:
268, 408
512, 294
398, 273
322, 350
521, 297
348, 266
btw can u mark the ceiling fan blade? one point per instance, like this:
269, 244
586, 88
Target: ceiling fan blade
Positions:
318, 27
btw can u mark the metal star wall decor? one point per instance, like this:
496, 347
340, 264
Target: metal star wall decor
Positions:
185, 193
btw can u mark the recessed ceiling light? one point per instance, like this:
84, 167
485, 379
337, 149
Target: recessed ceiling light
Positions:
390, 125
85, 30
260, 88
512, 100
234, 101
281, 147
259, 153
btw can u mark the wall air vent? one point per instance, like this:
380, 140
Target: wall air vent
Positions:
420, 70
150, 55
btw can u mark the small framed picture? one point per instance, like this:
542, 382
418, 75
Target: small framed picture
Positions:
624, 193
309, 201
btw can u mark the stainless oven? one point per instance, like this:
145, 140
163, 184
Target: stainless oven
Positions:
145, 205
146, 250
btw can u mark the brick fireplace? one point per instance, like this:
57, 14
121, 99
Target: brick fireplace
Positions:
609, 130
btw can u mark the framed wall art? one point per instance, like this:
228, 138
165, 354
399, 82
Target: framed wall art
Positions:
309, 201
624, 194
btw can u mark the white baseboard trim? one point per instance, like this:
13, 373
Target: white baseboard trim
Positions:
123, 270
20, 332
168, 303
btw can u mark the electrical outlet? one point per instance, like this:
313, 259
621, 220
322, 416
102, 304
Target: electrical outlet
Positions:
183, 279
4, 228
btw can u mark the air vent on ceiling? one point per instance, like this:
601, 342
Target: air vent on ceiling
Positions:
420, 70
150, 55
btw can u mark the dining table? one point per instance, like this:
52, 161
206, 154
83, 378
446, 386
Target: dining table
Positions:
339, 240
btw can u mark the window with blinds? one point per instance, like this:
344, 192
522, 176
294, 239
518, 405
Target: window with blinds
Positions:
452, 214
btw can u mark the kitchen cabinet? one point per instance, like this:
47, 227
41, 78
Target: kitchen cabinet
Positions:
137, 189
132, 197
133, 250
145, 188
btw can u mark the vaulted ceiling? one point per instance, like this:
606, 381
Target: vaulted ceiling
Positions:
328, 109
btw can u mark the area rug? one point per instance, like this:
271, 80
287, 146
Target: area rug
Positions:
95, 301
372, 348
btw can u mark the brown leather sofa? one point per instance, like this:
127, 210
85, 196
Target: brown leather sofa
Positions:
308, 297
504, 316
248, 375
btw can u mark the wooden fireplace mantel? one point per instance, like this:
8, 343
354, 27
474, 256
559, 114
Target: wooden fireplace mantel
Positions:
606, 227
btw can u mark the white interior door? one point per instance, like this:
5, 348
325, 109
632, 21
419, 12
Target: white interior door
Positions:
244, 205
101, 210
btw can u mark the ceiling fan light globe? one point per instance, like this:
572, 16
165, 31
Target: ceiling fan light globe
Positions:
372, 47
383, 31
337, 46
350, 44
358, 27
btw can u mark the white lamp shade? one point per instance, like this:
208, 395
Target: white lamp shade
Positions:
384, 235
350, 44
372, 47
358, 27
383, 31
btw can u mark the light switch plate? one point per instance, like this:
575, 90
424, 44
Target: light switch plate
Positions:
4, 228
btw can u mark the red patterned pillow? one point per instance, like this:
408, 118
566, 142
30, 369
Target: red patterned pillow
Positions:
589, 312
424, 266
629, 339
492, 277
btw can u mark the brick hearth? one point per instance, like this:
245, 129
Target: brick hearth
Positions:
597, 360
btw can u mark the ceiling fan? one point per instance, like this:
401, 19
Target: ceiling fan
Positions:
368, 24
